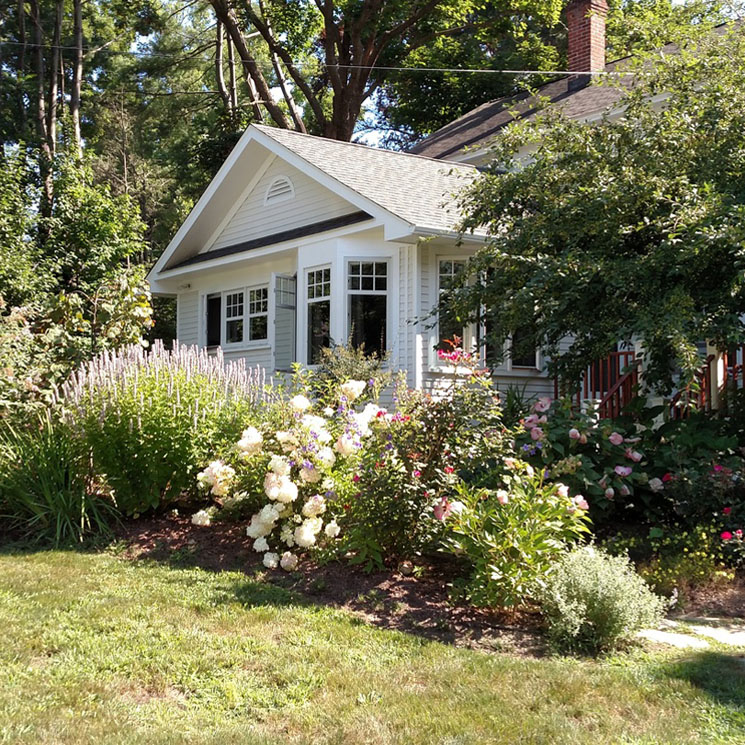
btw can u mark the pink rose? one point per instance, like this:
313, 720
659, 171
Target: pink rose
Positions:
583, 440
574, 434
738, 533
623, 471
581, 502
616, 439
726, 510
610, 492
502, 496
562, 490
726, 536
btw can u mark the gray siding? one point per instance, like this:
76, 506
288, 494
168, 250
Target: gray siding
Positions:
311, 203
187, 317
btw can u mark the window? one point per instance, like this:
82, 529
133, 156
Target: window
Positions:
367, 288
448, 269
319, 312
258, 311
523, 350
234, 317
214, 320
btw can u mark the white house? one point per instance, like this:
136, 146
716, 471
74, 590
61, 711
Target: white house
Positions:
301, 240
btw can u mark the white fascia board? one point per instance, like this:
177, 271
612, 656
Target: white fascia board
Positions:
222, 262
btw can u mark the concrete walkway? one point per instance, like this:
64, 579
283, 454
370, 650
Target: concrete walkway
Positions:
688, 634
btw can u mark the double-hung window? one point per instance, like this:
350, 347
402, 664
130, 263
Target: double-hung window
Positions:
318, 287
447, 270
234, 307
237, 316
367, 291
258, 313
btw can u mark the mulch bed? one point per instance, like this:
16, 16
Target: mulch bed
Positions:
418, 605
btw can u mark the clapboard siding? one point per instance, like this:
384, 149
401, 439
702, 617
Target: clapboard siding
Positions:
187, 317
261, 357
311, 203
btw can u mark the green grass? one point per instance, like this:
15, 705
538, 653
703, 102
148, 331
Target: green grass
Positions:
97, 649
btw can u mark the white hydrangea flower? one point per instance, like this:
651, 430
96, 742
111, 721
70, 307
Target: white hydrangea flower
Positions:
332, 529
287, 536
287, 440
261, 545
352, 389
250, 442
289, 561
326, 456
310, 475
257, 528
346, 445
279, 488
269, 513
328, 484
218, 476
270, 560
316, 505
300, 403
305, 533
279, 465
328, 411
201, 518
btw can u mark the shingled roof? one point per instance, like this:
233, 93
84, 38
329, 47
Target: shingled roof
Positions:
481, 124
417, 189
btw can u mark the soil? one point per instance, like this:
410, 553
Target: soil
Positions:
419, 605
726, 600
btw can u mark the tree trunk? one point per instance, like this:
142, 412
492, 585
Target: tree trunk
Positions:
42, 132
53, 80
231, 70
219, 75
77, 76
21, 69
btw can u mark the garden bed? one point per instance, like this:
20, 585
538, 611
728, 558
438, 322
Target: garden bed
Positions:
417, 605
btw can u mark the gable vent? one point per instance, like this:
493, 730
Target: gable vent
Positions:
279, 190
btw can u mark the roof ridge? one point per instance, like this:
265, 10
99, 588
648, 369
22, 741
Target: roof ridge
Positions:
370, 148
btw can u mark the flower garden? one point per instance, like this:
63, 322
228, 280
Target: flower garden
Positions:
538, 518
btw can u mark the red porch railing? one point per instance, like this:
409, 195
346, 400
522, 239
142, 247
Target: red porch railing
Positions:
612, 380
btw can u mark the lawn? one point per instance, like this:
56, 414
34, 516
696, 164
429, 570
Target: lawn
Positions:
102, 649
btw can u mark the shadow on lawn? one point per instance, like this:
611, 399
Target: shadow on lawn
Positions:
414, 605
721, 676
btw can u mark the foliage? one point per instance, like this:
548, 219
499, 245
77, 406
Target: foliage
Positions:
150, 420
636, 468
410, 466
45, 491
674, 559
343, 362
512, 536
569, 257
594, 602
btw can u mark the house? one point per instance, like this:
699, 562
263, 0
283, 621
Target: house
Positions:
300, 241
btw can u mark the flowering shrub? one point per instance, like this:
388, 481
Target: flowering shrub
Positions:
294, 470
594, 602
680, 469
413, 462
512, 535
150, 419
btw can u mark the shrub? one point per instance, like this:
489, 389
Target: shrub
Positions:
513, 535
151, 420
45, 492
594, 602
411, 464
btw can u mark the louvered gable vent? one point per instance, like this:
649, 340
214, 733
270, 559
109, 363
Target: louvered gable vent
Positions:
280, 190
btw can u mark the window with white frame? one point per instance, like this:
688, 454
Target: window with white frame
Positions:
234, 317
258, 313
367, 297
318, 288
447, 271
523, 350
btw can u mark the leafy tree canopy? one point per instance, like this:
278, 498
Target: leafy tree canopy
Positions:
630, 228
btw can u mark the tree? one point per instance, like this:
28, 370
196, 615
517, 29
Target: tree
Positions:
328, 58
412, 104
632, 228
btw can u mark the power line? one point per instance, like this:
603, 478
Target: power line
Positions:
466, 70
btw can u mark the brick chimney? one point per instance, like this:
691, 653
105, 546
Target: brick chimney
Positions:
586, 31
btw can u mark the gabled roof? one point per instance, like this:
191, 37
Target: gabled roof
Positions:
408, 194
479, 125
417, 189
